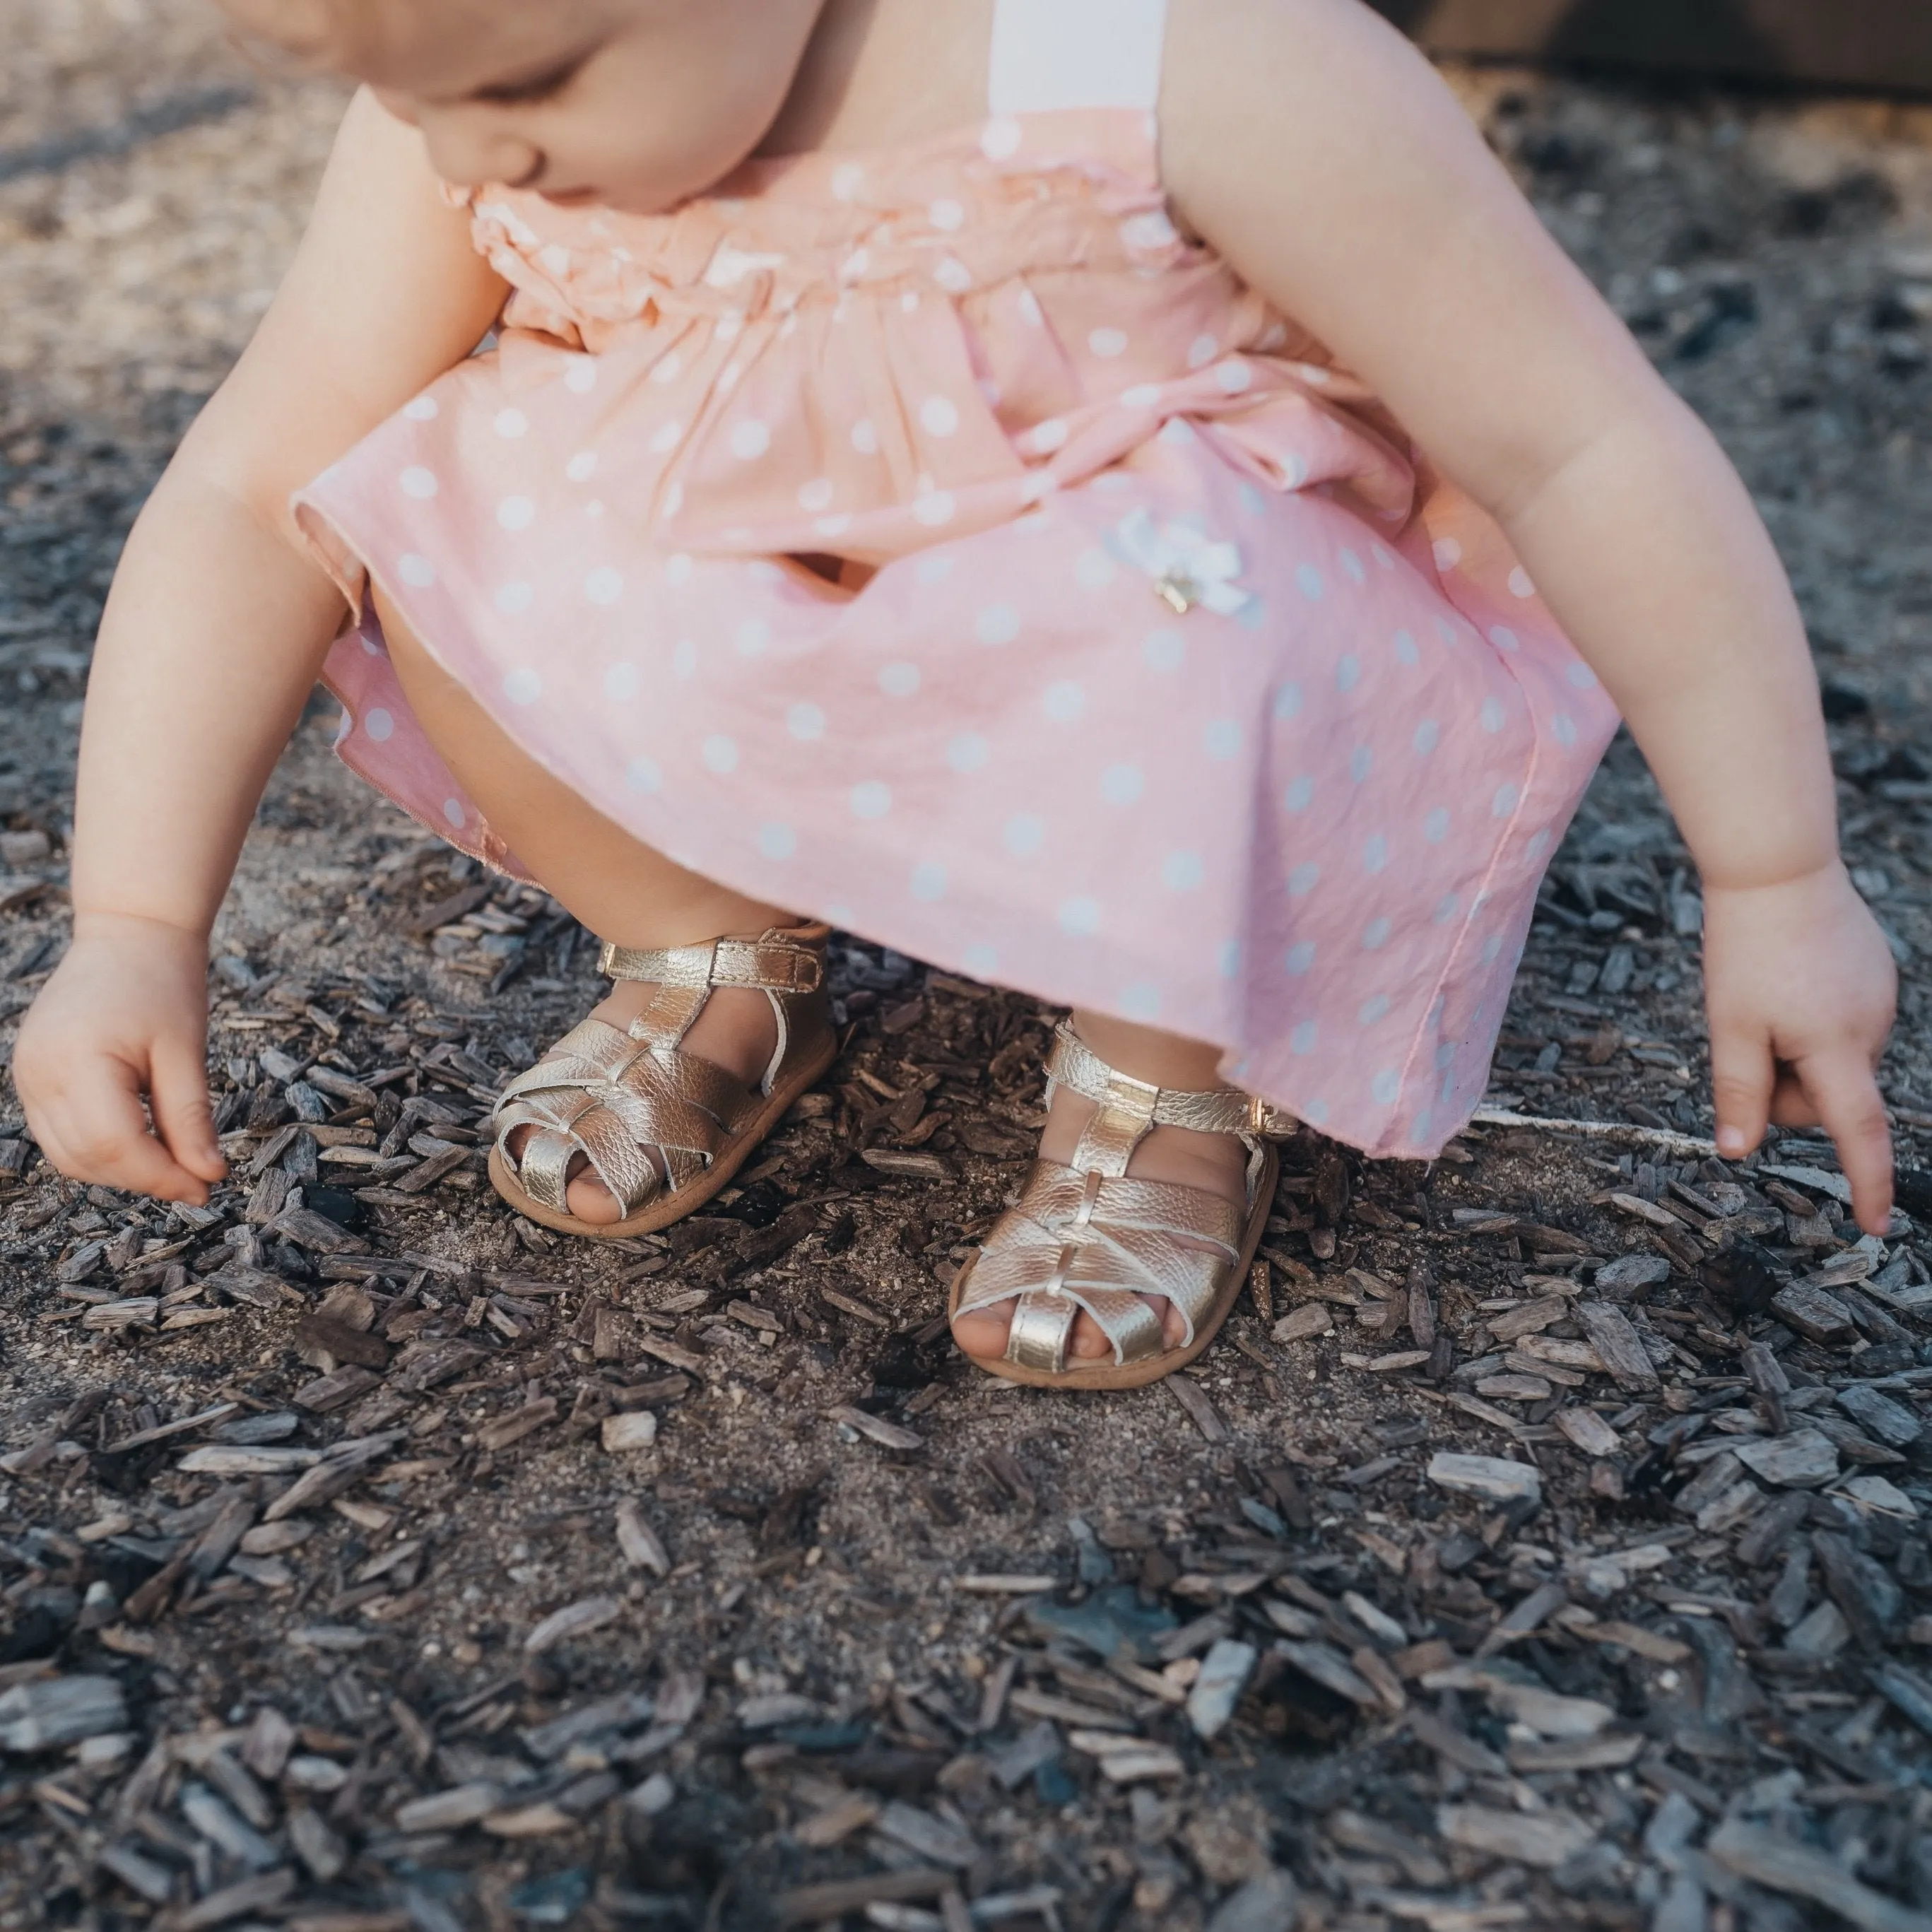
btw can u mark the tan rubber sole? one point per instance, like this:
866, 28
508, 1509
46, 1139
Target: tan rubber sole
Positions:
1106, 1374
667, 1208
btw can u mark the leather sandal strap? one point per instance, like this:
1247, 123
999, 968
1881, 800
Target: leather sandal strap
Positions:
773, 965
1215, 1110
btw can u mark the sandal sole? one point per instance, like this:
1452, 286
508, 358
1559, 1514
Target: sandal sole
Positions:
668, 1208
1104, 1374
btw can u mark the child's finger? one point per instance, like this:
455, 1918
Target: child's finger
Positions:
98, 1133
1742, 1076
1849, 1106
178, 1099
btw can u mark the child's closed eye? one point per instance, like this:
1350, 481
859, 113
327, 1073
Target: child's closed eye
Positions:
534, 88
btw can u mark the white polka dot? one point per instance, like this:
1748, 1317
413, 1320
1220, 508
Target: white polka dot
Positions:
1304, 1040
1353, 568
1080, 916
380, 726
900, 680
604, 586
832, 526
939, 416
777, 842
1435, 826
720, 754
1347, 673
1492, 949
1373, 1009
1375, 935
667, 371
1064, 702
1521, 583
1228, 956
1234, 377
1148, 232
1311, 583
1164, 650
1563, 729
753, 638
1182, 872
1447, 632
929, 881
1303, 879
948, 216
1361, 762
750, 440
728, 328
416, 571
454, 814
582, 466
1031, 313
644, 775
424, 409
1428, 736
1108, 343
512, 424
1095, 570
1000, 140
1493, 714
967, 752
998, 624
419, 483
1143, 396
934, 508
848, 182
1299, 794
1504, 639
1023, 835
516, 513
1301, 959
982, 960
871, 800
1376, 853
1406, 649
1450, 907
1140, 1001
1448, 553
805, 722
1202, 351
1221, 739
369, 646
1177, 431
935, 568
817, 495
523, 687
665, 438
1445, 1056
1539, 843
1386, 1085
1582, 677
953, 276
1287, 704
581, 378
1043, 439
1505, 801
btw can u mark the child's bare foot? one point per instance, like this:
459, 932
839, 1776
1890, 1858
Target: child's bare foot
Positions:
737, 1031
1214, 1164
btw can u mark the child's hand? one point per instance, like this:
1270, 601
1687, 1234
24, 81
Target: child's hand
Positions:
125, 1016
1802, 992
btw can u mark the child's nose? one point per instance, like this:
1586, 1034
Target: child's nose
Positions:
467, 155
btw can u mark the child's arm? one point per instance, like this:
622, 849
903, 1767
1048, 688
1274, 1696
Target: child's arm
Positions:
213, 633
1310, 143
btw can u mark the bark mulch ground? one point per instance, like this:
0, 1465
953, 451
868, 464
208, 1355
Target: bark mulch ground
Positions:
1543, 1544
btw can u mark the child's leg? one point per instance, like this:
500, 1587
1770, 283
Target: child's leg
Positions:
622, 890
1216, 1163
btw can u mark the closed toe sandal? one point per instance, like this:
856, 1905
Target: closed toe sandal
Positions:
610, 1093
1085, 1238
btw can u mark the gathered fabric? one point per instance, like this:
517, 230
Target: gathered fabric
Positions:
939, 542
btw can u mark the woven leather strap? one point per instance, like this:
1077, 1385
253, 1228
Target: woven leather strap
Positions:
1215, 1110
771, 965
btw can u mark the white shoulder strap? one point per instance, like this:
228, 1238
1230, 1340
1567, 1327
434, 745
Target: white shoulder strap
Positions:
1050, 55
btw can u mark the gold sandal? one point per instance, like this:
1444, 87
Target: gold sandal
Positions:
609, 1094
1085, 1237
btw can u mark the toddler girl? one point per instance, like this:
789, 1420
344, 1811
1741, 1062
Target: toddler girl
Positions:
1097, 494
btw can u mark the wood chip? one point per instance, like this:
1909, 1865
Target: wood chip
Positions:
635, 1428
1192, 1399
1617, 1342
913, 1166
1781, 1863
1489, 1476
1588, 1431
1545, 1839
574, 1620
876, 1428
1311, 1318
643, 1549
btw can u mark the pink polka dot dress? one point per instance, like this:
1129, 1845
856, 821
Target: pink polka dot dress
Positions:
935, 542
